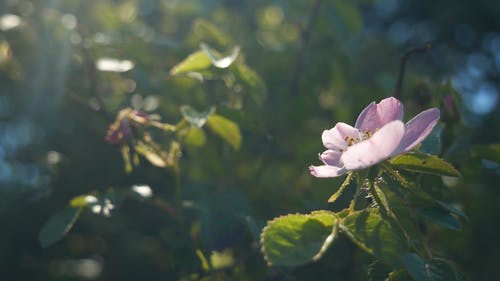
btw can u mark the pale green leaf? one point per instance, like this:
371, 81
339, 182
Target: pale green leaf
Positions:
423, 163
151, 154
196, 118
197, 61
225, 129
218, 60
194, 137
58, 226
298, 238
376, 236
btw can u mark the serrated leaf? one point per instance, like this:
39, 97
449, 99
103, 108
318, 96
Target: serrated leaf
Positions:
58, 226
254, 83
375, 235
196, 118
196, 61
297, 239
225, 129
432, 270
218, 60
489, 152
440, 217
423, 163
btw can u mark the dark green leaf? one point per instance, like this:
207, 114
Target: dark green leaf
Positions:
423, 163
225, 129
197, 61
432, 270
432, 144
58, 225
378, 271
297, 239
440, 217
375, 235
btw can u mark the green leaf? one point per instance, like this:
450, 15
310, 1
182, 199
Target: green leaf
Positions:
195, 118
432, 144
197, 61
225, 129
440, 217
154, 157
58, 226
297, 239
254, 83
348, 15
218, 60
83, 201
489, 152
378, 271
398, 275
423, 163
195, 137
432, 270
375, 235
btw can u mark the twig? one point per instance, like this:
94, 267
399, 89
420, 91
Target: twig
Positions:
305, 38
402, 66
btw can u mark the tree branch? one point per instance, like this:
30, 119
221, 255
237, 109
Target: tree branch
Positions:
402, 66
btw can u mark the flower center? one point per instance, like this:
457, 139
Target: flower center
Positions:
362, 136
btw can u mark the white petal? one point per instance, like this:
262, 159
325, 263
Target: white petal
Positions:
375, 149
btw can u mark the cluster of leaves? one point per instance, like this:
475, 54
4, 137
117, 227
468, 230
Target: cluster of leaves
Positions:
387, 226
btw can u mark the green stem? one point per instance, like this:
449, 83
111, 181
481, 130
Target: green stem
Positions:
178, 194
352, 205
373, 191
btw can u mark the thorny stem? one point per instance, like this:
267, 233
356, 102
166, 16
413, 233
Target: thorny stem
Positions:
352, 205
373, 192
402, 66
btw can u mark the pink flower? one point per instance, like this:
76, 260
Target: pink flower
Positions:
379, 134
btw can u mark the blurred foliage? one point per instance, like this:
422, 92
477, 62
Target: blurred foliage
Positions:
229, 146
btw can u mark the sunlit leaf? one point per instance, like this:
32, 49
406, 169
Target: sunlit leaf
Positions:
150, 154
58, 226
398, 275
431, 270
225, 129
197, 61
297, 239
194, 137
375, 235
194, 117
489, 152
83, 201
423, 163
254, 83
218, 60
222, 259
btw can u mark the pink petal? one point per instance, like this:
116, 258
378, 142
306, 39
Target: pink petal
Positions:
334, 139
327, 171
418, 128
375, 149
375, 116
331, 158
